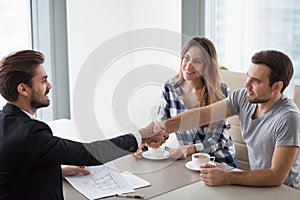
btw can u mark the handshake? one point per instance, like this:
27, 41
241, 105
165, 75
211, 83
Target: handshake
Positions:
154, 134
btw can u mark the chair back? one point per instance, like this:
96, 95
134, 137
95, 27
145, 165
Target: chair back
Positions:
236, 80
296, 95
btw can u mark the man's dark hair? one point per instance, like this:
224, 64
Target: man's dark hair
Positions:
18, 67
281, 66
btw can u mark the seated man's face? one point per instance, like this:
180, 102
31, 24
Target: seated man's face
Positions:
257, 84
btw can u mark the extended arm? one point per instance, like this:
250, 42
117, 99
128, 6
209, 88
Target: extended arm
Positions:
197, 117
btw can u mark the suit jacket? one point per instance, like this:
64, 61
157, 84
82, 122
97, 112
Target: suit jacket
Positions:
30, 156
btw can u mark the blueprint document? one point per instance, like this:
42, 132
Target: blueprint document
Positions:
105, 181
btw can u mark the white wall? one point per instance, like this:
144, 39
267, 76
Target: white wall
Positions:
120, 65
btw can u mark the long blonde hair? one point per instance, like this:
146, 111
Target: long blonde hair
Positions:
210, 73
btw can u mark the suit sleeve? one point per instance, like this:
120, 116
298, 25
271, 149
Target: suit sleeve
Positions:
44, 148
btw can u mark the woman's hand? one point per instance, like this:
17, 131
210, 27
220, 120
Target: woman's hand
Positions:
182, 152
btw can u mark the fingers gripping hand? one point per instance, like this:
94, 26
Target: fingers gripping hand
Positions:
151, 137
154, 144
159, 126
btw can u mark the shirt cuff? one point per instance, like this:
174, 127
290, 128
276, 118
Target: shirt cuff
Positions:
138, 137
199, 147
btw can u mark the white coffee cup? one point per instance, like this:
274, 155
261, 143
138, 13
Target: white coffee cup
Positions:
200, 159
157, 152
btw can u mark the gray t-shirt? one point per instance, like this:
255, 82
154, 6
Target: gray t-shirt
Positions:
280, 126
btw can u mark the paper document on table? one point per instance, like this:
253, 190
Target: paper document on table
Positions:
105, 181
135, 181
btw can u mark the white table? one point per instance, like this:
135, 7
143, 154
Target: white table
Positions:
172, 180
163, 176
198, 190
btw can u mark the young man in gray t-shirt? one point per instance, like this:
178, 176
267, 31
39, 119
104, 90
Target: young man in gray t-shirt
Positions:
270, 125
279, 127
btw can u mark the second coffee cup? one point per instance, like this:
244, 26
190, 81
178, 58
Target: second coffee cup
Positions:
200, 159
157, 152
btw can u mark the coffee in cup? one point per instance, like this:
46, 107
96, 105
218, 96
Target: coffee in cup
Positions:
200, 159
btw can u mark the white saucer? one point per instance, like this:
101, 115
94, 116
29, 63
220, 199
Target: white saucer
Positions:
190, 165
149, 155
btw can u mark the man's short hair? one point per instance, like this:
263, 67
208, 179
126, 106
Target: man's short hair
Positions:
18, 67
281, 66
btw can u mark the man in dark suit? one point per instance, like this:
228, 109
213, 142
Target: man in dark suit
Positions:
30, 156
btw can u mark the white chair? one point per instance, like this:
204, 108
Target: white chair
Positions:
236, 80
296, 96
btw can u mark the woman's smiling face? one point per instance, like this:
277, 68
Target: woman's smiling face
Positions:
192, 63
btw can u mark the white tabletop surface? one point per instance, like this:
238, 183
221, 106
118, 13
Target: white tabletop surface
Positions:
199, 190
172, 180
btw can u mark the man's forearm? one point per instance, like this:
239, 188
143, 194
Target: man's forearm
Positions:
196, 117
183, 121
265, 177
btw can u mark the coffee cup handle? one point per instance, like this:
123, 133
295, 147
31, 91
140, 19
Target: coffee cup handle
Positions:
212, 158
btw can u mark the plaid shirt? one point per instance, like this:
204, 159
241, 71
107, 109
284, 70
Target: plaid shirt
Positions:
215, 141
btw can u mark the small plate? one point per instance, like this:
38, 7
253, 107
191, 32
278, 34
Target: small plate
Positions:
149, 155
190, 165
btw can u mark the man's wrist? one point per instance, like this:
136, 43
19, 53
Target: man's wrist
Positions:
198, 147
191, 149
228, 177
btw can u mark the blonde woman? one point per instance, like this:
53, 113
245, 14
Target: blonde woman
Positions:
198, 84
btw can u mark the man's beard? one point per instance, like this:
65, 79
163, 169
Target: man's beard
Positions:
258, 100
35, 103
